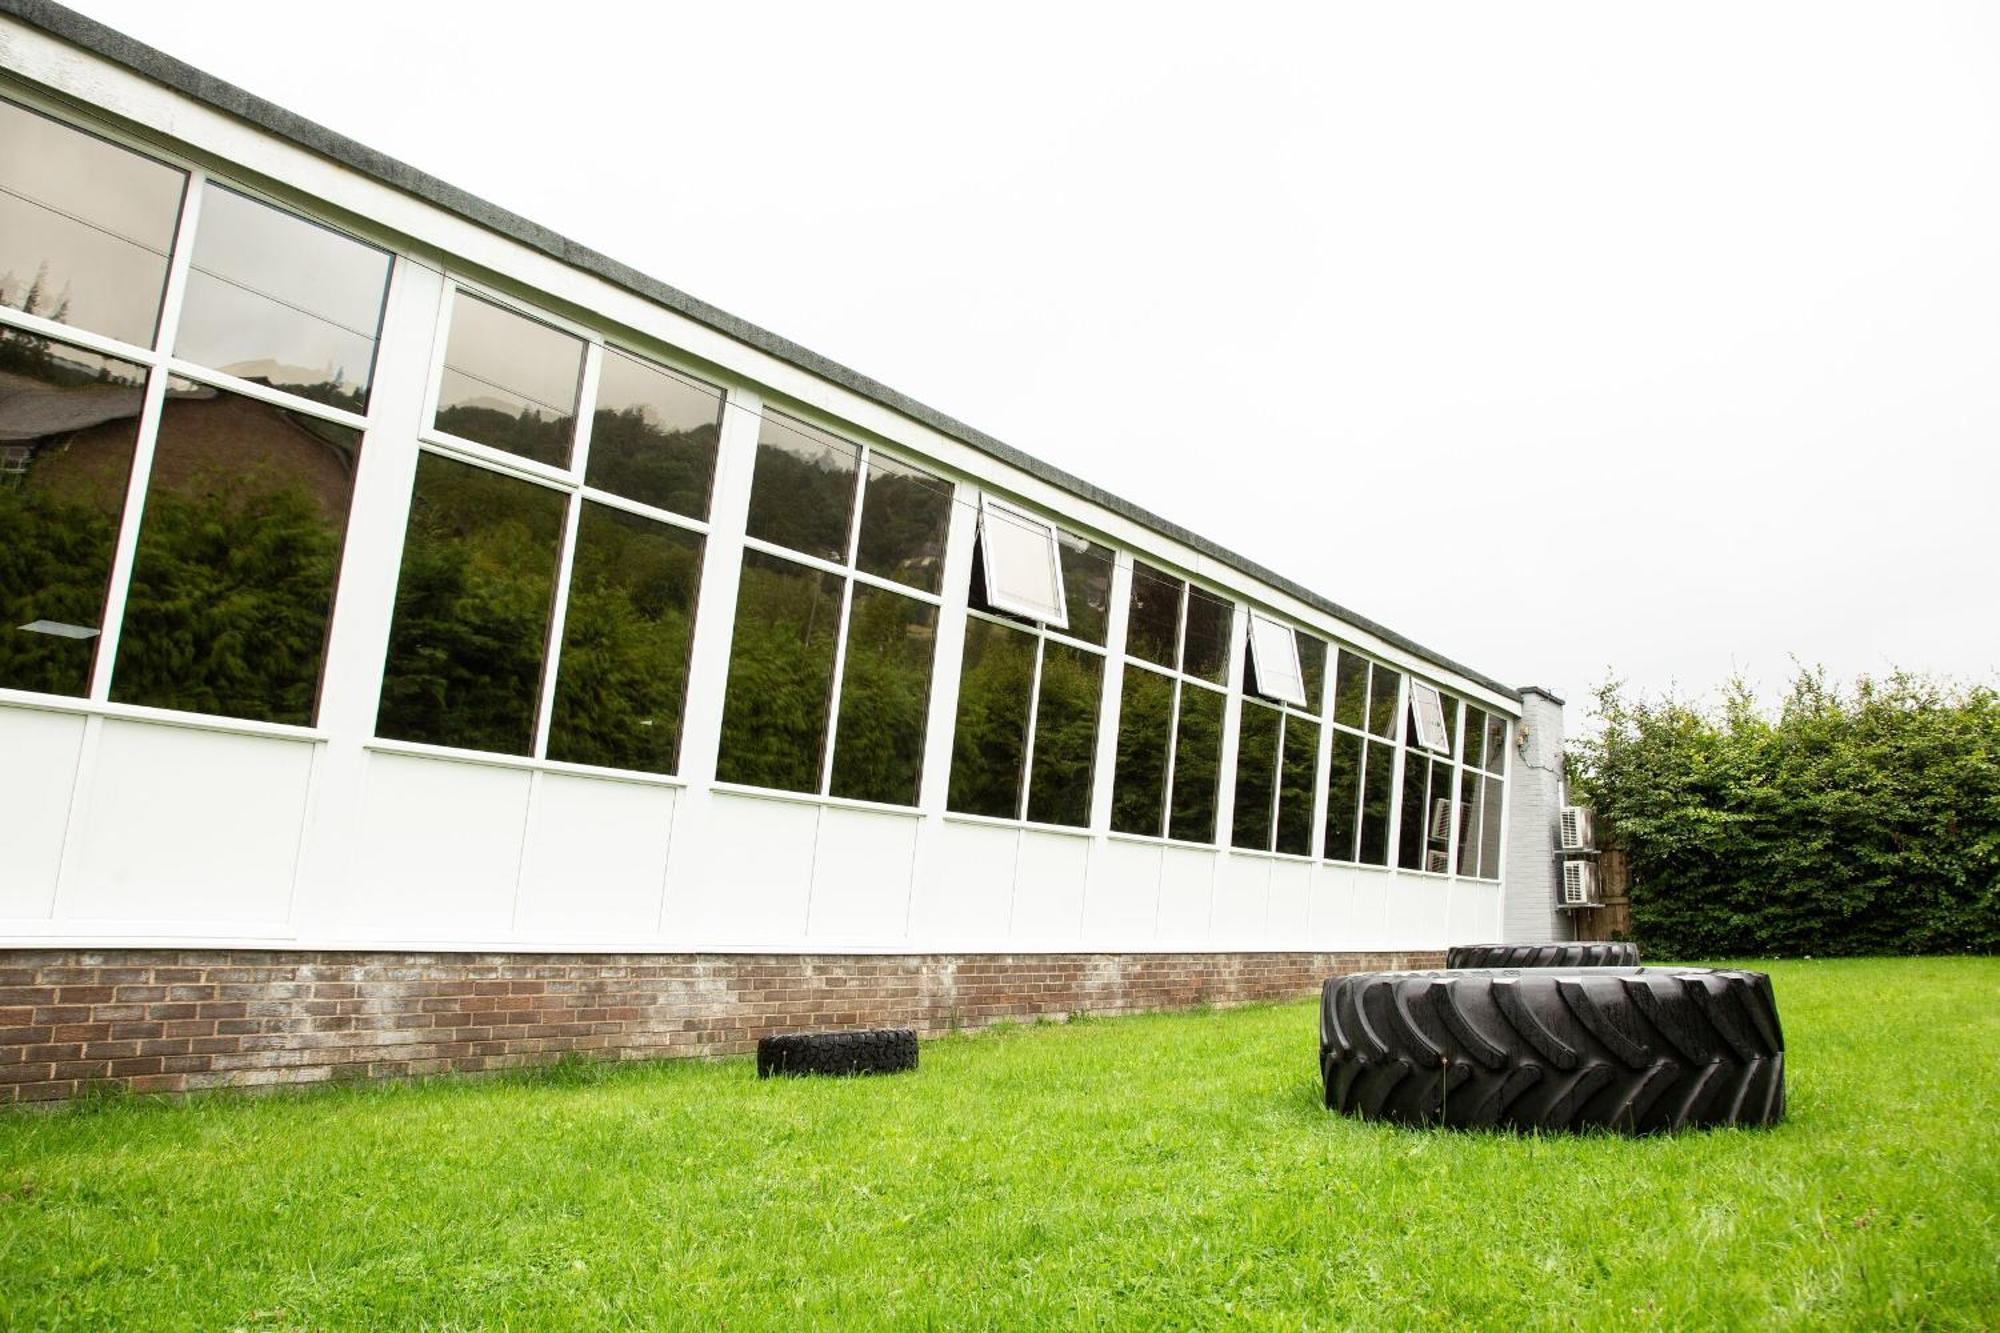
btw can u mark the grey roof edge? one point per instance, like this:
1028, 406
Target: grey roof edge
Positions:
1544, 692
101, 40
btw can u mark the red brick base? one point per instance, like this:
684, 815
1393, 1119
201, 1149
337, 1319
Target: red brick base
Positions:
177, 1020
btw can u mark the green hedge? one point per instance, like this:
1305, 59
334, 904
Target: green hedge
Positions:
1864, 821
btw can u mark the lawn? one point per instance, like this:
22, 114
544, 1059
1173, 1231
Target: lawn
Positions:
1160, 1171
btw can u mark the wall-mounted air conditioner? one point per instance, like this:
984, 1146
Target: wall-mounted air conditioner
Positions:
1579, 829
1579, 884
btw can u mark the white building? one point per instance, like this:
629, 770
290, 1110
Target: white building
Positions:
396, 598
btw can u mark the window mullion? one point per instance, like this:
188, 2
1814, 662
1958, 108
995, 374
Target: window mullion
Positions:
558, 617
839, 674
1028, 743
1173, 753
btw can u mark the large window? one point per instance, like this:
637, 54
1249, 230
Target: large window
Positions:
836, 619
1482, 793
1277, 739
550, 567
1361, 763
1430, 741
1029, 691
173, 502
1170, 715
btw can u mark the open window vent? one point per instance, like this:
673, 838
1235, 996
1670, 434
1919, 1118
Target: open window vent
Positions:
1274, 651
1579, 884
1441, 819
1579, 829
1427, 709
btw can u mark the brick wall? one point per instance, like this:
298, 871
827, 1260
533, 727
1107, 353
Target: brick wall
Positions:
178, 1020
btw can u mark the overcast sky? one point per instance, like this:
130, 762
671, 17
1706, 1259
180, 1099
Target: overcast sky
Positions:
1569, 340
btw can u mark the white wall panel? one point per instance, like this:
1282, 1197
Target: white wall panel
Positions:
1242, 900
861, 877
749, 886
1286, 925
1334, 919
440, 850
187, 825
1416, 912
1121, 905
965, 884
1051, 877
38, 757
595, 864
1475, 912
1187, 894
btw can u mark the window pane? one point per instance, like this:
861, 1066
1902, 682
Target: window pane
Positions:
1145, 722
1343, 796
1411, 842
1489, 830
1350, 690
1382, 701
239, 548
802, 493
1496, 743
1207, 652
282, 301
885, 688
1086, 571
904, 514
1297, 769
1256, 776
653, 435
68, 422
1312, 663
1197, 765
85, 227
1065, 735
623, 670
774, 709
990, 739
1153, 631
472, 609
1377, 788
1475, 736
1469, 800
509, 381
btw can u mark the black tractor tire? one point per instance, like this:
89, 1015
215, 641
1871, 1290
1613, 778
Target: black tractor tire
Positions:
1636, 1050
1582, 953
876, 1051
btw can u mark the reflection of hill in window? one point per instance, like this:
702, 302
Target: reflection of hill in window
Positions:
527, 432
633, 457
803, 502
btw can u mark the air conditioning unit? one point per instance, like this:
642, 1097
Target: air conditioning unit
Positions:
1441, 819
1437, 863
1579, 884
1579, 829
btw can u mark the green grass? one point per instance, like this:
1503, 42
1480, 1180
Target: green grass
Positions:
1149, 1172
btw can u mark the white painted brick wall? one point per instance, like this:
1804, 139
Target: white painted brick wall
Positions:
1528, 901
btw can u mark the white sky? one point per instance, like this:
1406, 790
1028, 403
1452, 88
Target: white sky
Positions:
1564, 339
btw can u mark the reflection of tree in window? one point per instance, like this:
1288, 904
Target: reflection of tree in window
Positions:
1298, 765
509, 381
1154, 625
780, 675
472, 609
990, 739
1197, 765
1256, 774
878, 747
626, 632
1145, 725
238, 552
1065, 735
69, 420
904, 514
653, 438
1343, 796
802, 494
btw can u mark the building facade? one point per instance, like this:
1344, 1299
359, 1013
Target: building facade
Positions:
427, 644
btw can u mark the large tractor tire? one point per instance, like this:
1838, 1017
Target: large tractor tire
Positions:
1577, 954
1638, 1050
876, 1051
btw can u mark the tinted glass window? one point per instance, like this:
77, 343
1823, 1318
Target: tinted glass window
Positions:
1412, 842
1153, 630
1470, 799
68, 422
1343, 796
1065, 735
990, 740
802, 493
473, 603
623, 670
1475, 737
1377, 797
653, 435
509, 381
1489, 829
1496, 743
1312, 665
282, 301
1382, 701
904, 514
85, 227
885, 687
1298, 767
780, 688
1207, 651
1086, 571
1256, 776
1350, 690
1197, 765
239, 549
1145, 723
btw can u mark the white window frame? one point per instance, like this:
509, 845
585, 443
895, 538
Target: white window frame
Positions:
1182, 681
1280, 675
1053, 610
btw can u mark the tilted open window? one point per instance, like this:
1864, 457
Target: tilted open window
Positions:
1023, 563
1274, 655
1428, 708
